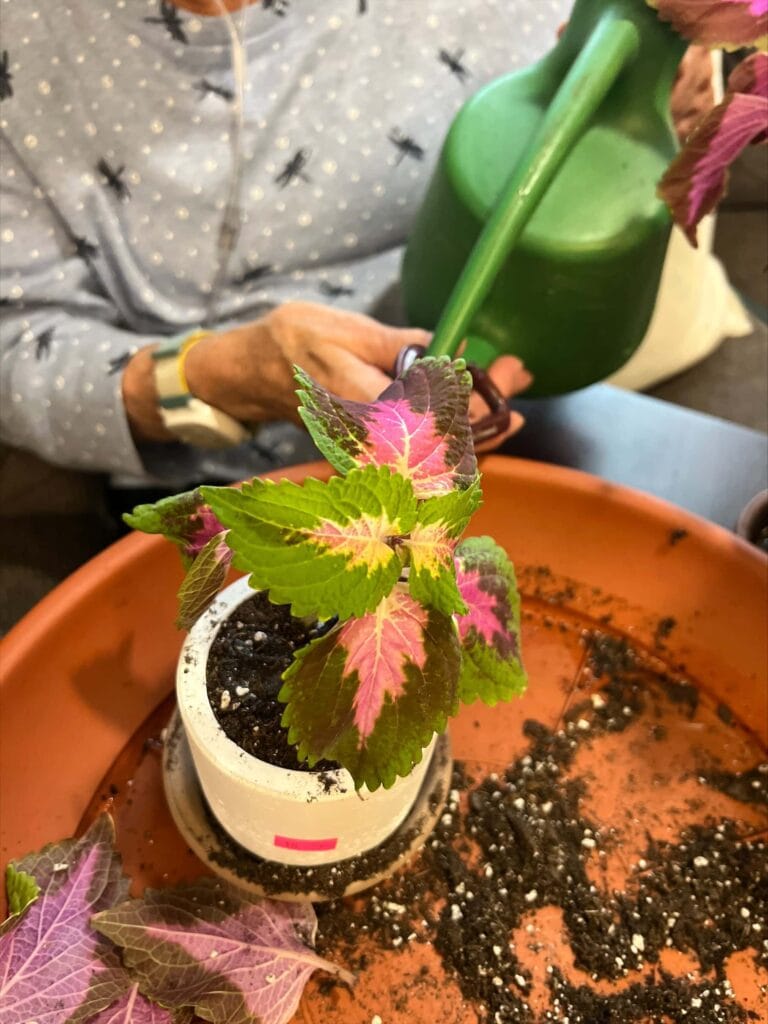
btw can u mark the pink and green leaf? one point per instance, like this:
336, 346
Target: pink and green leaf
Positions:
205, 578
490, 632
727, 24
324, 548
53, 967
419, 426
134, 1008
371, 694
184, 519
440, 523
232, 959
696, 180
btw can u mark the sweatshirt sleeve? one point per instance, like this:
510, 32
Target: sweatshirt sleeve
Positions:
62, 346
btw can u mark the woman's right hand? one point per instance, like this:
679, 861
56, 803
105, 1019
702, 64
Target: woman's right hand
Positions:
247, 371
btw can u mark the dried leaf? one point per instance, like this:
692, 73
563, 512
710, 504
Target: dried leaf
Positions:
53, 966
234, 960
717, 23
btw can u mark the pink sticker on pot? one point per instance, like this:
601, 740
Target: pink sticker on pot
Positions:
308, 845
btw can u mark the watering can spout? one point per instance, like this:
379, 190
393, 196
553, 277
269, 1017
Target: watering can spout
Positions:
533, 265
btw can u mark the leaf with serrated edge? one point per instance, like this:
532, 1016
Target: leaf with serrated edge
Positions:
491, 667
53, 966
695, 181
21, 889
727, 24
204, 579
182, 518
440, 522
324, 548
371, 693
134, 1008
419, 426
233, 959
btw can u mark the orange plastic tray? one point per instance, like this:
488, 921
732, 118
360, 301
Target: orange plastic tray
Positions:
83, 673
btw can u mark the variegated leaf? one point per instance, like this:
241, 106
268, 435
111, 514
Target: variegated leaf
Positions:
371, 694
440, 523
490, 631
729, 24
324, 548
419, 426
184, 519
695, 181
54, 969
205, 578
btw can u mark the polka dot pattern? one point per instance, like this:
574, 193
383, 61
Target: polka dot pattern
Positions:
120, 121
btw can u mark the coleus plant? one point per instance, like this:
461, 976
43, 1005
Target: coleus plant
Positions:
421, 620
76, 950
697, 178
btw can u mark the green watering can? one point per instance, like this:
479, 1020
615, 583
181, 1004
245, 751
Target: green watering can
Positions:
541, 233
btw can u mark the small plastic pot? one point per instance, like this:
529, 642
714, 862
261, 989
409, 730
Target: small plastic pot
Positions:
292, 817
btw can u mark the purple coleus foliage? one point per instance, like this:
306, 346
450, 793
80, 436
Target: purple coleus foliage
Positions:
190, 524
75, 950
696, 180
729, 24
425, 620
53, 967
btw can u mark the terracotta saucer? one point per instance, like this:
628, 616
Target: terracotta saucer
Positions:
85, 681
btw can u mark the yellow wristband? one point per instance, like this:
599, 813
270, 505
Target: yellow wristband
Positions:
186, 347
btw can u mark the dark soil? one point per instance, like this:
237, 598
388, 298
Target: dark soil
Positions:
521, 841
247, 659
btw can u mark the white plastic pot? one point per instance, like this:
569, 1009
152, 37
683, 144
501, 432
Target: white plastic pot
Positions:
287, 816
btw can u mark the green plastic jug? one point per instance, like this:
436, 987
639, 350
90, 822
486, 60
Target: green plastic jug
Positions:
541, 233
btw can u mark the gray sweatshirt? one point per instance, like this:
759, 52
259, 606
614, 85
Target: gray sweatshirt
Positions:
123, 218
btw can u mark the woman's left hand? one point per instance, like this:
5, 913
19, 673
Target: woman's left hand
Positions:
510, 377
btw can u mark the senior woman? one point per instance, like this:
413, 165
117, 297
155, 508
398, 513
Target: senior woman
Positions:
249, 168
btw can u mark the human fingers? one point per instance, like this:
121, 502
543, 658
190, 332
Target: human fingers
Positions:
307, 325
356, 380
509, 375
516, 421
382, 345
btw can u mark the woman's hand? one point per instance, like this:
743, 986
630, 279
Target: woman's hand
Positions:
248, 371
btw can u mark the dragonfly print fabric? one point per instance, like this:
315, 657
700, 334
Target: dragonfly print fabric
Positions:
117, 125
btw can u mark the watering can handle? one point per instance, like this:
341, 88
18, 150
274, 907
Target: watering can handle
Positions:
496, 420
612, 44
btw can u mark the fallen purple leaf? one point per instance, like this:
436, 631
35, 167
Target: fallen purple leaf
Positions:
53, 966
134, 1008
721, 23
696, 180
207, 947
